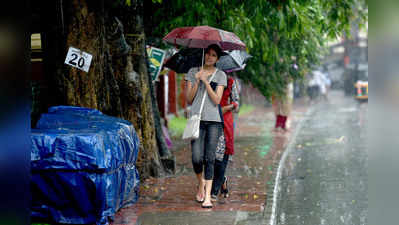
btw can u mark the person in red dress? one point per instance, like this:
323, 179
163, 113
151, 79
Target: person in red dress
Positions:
228, 103
282, 106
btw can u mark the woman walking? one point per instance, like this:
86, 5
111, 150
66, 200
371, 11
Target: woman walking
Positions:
210, 81
229, 103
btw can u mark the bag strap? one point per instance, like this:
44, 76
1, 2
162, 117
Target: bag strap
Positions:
206, 93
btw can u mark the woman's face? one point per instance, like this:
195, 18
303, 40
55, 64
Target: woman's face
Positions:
211, 57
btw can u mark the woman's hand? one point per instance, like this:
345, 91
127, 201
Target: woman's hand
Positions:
201, 75
215, 95
204, 76
227, 108
198, 75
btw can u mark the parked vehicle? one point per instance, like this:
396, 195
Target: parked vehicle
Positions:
362, 85
362, 90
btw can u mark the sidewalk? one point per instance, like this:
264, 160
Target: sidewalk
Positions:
170, 200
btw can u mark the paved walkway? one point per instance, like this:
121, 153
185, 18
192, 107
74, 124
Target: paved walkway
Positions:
170, 200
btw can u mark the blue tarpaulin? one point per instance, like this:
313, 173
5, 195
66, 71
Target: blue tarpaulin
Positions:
73, 110
83, 166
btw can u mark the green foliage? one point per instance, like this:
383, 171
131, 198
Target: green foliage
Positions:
245, 109
129, 2
278, 33
177, 125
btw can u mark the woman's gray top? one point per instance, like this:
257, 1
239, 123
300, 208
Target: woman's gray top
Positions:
210, 112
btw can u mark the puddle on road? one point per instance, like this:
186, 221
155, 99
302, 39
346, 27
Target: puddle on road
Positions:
350, 109
264, 149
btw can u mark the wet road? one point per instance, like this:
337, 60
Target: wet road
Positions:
324, 177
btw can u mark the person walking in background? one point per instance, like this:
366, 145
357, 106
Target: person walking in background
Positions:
229, 103
322, 81
318, 85
312, 88
282, 108
211, 128
326, 81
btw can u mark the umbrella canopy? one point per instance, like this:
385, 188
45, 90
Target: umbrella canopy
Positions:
203, 36
233, 61
185, 59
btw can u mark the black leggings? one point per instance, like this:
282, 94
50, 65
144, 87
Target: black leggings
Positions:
220, 170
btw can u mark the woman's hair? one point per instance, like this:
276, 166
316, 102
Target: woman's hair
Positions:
216, 48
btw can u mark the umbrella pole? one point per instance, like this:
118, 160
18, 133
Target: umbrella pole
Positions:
203, 50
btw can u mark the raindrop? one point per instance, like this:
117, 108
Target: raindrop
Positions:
282, 218
342, 219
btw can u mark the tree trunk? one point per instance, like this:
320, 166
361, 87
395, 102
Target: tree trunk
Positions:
167, 158
117, 82
133, 20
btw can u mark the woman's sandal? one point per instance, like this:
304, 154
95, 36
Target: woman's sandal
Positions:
199, 200
207, 206
225, 191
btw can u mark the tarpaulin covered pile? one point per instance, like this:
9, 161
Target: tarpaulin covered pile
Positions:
83, 166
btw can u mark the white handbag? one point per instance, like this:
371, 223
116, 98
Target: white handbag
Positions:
192, 129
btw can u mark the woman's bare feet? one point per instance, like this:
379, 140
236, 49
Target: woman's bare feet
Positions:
200, 196
207, 202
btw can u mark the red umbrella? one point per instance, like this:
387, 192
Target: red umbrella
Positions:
203, 36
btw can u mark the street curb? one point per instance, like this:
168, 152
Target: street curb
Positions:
269, 213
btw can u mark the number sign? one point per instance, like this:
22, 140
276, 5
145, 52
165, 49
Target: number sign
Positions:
78, 59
